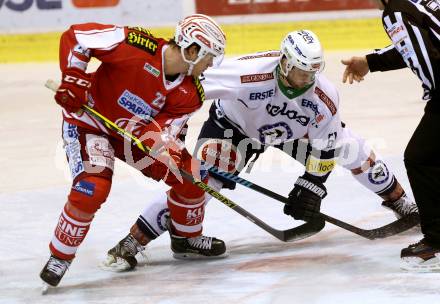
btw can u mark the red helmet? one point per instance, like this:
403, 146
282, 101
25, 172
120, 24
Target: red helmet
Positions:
203, 31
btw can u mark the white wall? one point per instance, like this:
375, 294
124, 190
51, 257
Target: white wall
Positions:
49, 15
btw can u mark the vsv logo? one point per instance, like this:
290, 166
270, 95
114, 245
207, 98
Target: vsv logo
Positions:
24, 5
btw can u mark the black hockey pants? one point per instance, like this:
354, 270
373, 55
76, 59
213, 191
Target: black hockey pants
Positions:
422, 162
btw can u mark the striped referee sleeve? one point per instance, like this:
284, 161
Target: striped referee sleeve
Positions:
409, 41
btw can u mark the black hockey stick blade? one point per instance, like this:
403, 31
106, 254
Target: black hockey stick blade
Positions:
390, 229
303, 231
290, 235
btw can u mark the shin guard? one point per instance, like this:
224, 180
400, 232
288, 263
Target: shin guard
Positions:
69, 234
186, 214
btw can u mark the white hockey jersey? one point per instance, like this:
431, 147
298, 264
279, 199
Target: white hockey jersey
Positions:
249, 94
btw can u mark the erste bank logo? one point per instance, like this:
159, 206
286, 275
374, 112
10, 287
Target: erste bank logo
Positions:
24, 5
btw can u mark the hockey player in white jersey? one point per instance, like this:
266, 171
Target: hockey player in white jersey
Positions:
277, 99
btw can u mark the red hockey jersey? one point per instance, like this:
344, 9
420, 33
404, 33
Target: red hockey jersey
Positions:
130, 83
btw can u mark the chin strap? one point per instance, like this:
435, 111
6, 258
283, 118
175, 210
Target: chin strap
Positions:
191, 63
190, 69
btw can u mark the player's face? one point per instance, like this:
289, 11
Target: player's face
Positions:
203, 65
298, 79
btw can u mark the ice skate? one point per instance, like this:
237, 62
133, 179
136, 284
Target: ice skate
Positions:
420, 257
53, 271
122, 257
197, 247
401, 207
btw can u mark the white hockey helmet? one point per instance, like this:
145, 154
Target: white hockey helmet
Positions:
302, 50
203, 31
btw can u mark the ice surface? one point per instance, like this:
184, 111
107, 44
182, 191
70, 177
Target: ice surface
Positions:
333, 266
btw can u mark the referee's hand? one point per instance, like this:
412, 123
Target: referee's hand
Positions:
356, 68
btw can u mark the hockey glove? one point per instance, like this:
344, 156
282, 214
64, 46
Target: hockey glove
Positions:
305, 198
170, 151
72, 93
166, 150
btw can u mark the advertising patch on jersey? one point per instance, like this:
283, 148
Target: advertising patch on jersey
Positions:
142, 41
379, 174
315, 122
327, 101
152, 70
261, 95
331, 141
221, 154
136, 105
275, 134
397, 33
310, 104
72, 147
405, 51
262, 55
78, 49
84, 187
100, 151
256, 77
321, 166
275, 110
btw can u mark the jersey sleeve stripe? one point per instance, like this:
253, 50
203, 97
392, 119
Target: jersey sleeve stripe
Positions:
422, 49
418, 64
103, 39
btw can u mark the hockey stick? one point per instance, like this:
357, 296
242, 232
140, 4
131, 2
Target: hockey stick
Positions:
393, 228
297, 233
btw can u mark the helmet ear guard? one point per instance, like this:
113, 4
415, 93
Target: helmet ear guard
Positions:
203, 31
302, 50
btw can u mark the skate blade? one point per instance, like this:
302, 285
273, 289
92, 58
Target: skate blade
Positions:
197, 256
414, 264
114, 265
45, 288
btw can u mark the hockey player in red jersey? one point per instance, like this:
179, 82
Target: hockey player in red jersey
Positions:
149, 86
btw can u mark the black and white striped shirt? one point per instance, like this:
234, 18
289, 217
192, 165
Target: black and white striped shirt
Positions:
414, 28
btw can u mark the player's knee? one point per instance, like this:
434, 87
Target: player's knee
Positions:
89, 193
364, 165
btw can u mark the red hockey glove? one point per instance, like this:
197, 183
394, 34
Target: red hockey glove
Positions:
169, 151
72, 93
165, 148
